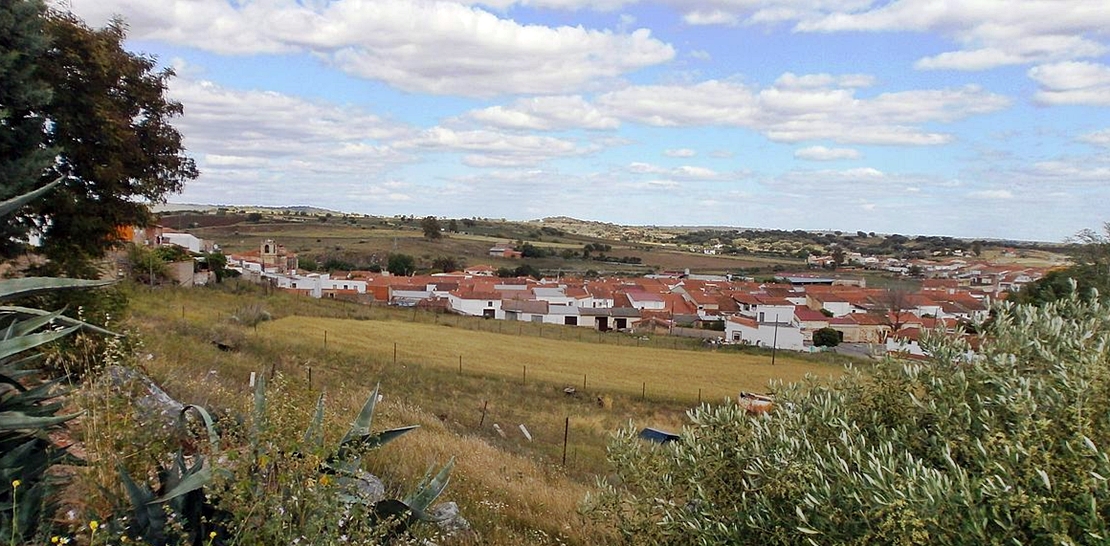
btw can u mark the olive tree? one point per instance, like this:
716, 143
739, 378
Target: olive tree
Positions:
1009, 444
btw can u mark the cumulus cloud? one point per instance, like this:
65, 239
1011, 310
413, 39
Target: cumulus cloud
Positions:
821, 153
435, 47
545, 114
265, 147
1072, 83
813, 112
710, 17
685, 172
488, 148
991, 33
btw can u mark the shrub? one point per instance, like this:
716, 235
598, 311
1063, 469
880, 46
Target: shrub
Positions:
826, 337
1007, 446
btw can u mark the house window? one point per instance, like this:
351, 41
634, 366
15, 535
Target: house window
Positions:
570, 321
761, 316
489, 304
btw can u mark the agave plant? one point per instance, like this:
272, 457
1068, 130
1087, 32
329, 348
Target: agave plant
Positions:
345, 462
29, 413
180, 492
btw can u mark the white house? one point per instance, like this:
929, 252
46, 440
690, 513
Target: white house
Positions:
783, 335
476, 304
188, 241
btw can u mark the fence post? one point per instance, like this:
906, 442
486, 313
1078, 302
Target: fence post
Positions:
485, 403
566, 432
643, 393
394, 353
325, 341
524, 378
460, 364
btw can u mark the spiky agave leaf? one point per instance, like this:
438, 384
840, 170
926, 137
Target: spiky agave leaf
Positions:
429, 489
11, 205
22, 312
29, 286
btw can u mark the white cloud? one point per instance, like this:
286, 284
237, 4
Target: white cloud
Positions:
794, 114
436, 47
992, 194
256, 131
1098, 138
710, 17
680, 152
991, 33
1072, 83
789, 80
488, 148
545, 114
821, 153
685, 172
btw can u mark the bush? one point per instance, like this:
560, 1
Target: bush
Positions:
1007, 446
826, 337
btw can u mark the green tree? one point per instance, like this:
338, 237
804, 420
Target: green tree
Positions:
24, 96
1010, 445
1089, 277
109, 120
826, 337
401, 264
431, 227
453, 226
447, 264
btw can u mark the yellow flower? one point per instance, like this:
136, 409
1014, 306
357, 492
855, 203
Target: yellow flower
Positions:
94, 525
54, 539
212, 534
16, 484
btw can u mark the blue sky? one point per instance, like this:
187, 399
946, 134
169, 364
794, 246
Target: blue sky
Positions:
973, 118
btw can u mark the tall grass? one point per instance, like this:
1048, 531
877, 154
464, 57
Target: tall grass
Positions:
514, 491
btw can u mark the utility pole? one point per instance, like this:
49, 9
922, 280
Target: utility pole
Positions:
775, 340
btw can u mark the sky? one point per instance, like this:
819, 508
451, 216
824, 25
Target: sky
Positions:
969, 118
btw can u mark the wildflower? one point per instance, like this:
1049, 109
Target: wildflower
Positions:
212, 534
54, 539
94, 525
16, 484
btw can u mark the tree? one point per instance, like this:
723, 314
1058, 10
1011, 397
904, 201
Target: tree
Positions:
447, 264
1011, 445
401, 264
453, 226
431, 228
1090, 276
109, 121
826, 337
24, 96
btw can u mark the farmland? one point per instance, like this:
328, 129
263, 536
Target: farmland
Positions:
649, 382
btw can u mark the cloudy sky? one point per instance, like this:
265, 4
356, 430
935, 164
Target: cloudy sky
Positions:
978, 118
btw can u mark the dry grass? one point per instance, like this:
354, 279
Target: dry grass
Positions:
513, 490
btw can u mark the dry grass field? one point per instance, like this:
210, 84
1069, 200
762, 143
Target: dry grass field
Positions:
514, 491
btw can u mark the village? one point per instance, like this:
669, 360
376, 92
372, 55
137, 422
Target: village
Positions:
785, 314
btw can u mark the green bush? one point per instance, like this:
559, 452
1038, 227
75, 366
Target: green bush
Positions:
1009, 445
826, 337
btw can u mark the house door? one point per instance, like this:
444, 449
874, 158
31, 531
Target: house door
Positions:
489, 312
621, 323
603, 324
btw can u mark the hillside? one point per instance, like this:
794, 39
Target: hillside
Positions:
423, 384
